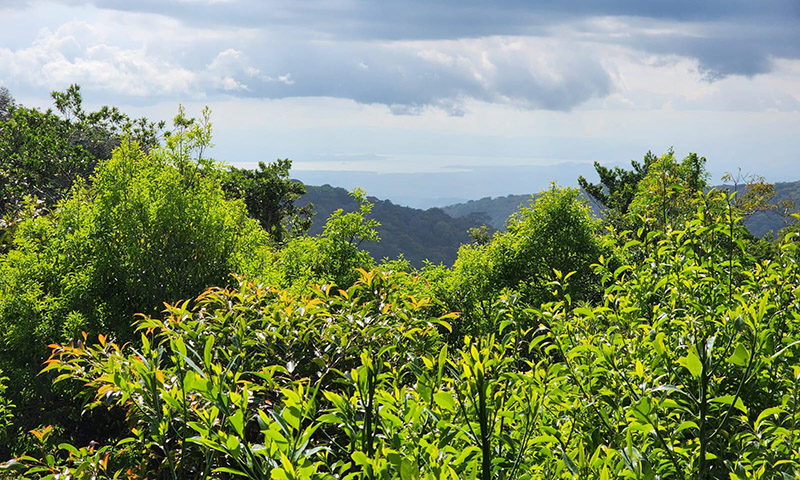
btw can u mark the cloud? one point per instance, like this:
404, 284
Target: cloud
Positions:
70, 54
730, 36
412, 76
410, 56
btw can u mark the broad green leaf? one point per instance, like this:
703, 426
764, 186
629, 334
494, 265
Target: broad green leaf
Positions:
728, 399
292, 416
692, 362
767, 413
237, 422
740, 356
408, 471
359, 458
445, 401
232, 443
687, 424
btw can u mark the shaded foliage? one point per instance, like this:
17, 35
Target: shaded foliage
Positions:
270, 197
418, 235
150, 226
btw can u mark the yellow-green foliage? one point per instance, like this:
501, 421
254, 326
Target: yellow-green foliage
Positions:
555, 234
685, 368
150, 227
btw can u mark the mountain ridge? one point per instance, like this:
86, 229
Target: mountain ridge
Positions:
435, 234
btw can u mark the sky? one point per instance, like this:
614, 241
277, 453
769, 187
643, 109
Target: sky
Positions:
429, 102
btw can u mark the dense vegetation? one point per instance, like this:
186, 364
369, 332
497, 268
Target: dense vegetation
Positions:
621, 185
495, 210
419, 235
660, 341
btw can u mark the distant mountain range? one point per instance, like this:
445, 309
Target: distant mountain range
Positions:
418, 234
499, 209
496, 209
761, 223
436, 234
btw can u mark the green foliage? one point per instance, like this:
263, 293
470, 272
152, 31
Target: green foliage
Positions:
666, 350
419, 235
686, 368
151, 226
7, 103
691, 355
42, 154
555, 235
59, 461
270, 198
239, 382
667, 193
6, 409
335, 255
617, 188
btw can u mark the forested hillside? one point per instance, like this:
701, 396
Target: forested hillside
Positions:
165, 316
786, 201
496, 209
418, 235
787, 197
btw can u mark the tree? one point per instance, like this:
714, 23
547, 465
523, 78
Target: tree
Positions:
335, 255
667, 194
148, 227
270, 198
7, 104
554, 236
617, 188
42, 154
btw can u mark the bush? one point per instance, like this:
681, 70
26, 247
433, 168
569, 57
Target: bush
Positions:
555, 235
151, 226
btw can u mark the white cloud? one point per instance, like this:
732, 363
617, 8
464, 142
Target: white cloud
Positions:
504, 89
67, 55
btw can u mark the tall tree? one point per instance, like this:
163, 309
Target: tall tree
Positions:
7, 103
42, 154
617, 187
270, 197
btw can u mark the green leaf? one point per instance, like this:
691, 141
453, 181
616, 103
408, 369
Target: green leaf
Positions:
728, 399
70, 448
292, 416
207, 350
230, 470
278, 474
687, 424
692, 362
237, 422
408, 471
445, 401
767, 413
232, 443
359, 458
442, 363
740, 356
569, 463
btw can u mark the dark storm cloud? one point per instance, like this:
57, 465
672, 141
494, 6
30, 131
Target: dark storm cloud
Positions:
380, 52
437, 19
411, 76
743, 35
